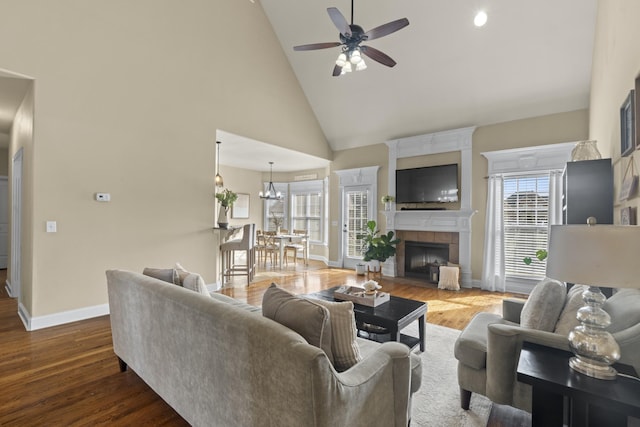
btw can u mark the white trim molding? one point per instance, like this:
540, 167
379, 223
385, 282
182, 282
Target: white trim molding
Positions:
529, 159
55, 319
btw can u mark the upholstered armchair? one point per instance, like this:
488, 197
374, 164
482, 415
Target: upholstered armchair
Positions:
489, 347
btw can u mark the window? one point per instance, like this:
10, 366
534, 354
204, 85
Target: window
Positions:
526, 223
307, 208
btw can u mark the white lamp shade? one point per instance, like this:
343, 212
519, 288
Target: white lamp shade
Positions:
596, 255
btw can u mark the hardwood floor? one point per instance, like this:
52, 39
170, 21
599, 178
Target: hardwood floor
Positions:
69, 375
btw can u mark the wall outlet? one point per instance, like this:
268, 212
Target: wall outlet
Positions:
103, 197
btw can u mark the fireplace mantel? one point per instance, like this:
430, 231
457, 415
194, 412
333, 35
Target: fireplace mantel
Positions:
453, 221
436, 220
430, 220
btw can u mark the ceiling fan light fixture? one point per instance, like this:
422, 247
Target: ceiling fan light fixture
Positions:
355, 57
361, 66
342, 60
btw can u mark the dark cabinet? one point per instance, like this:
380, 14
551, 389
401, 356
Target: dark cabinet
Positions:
587, 191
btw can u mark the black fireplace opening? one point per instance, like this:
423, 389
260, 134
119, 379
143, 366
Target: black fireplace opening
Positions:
422, 260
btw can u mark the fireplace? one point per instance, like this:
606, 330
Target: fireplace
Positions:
423, 259
421, 253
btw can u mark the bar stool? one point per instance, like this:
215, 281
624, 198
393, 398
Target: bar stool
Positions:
245, 244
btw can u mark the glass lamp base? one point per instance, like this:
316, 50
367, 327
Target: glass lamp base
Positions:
595, 348
595, 371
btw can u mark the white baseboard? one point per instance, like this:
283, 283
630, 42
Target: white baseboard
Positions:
49, 320
7, 286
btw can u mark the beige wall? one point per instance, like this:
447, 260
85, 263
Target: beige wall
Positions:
551, 129
616, 64
247, 182
128, 102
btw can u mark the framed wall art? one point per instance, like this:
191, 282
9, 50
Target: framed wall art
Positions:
240, 208
628, 216
629, 186
627, 125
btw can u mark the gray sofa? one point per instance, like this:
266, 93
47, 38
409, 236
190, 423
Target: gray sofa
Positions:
219, 362
489, 347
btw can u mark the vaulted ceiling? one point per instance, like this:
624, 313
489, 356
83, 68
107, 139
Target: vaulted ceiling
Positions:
533, 57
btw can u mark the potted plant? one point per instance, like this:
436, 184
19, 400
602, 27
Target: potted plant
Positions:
387, 200
377, 247
541, 254
226, 199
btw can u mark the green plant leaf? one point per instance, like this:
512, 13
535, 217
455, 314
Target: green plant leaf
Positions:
527, 260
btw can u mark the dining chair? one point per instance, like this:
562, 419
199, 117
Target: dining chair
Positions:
271, 247
296, 246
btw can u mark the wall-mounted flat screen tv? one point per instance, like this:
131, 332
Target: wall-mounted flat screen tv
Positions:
432, 184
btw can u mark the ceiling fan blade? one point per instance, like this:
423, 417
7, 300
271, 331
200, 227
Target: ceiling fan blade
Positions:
337, 71
315, 46
378, 56
386, 29
339, 21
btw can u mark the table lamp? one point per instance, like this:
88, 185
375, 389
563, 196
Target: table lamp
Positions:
594, 255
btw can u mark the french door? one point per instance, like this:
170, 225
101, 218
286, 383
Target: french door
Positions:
357, 210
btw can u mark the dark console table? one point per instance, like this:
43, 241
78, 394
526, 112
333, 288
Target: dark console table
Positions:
591, 402
391, 317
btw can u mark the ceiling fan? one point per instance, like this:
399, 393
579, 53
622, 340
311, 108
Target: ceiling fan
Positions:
351, 37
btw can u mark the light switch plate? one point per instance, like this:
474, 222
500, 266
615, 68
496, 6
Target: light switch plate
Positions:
52, 227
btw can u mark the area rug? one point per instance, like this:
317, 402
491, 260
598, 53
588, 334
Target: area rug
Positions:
437, 403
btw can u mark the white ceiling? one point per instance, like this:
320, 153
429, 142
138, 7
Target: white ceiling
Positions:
245, 153
533, 57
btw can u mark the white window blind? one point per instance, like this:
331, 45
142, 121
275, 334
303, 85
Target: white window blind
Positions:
526, 224
357, 211
306, 208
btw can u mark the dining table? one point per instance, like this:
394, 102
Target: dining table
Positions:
284, 239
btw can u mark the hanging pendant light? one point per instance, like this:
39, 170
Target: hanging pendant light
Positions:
271, 193
219, 181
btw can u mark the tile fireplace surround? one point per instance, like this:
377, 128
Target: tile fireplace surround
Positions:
453, 227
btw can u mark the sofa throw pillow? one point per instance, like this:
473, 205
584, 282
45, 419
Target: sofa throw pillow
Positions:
195, 282
544, 305
165, 274
344, 346
307, 318
568, 320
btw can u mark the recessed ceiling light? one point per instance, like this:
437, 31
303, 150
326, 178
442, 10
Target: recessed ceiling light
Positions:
480, 19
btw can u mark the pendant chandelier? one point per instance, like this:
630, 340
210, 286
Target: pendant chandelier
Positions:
219, 181
271, 193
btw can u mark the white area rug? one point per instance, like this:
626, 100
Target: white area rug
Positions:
437, 403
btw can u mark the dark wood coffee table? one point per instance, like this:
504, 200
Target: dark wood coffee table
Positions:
391, 317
